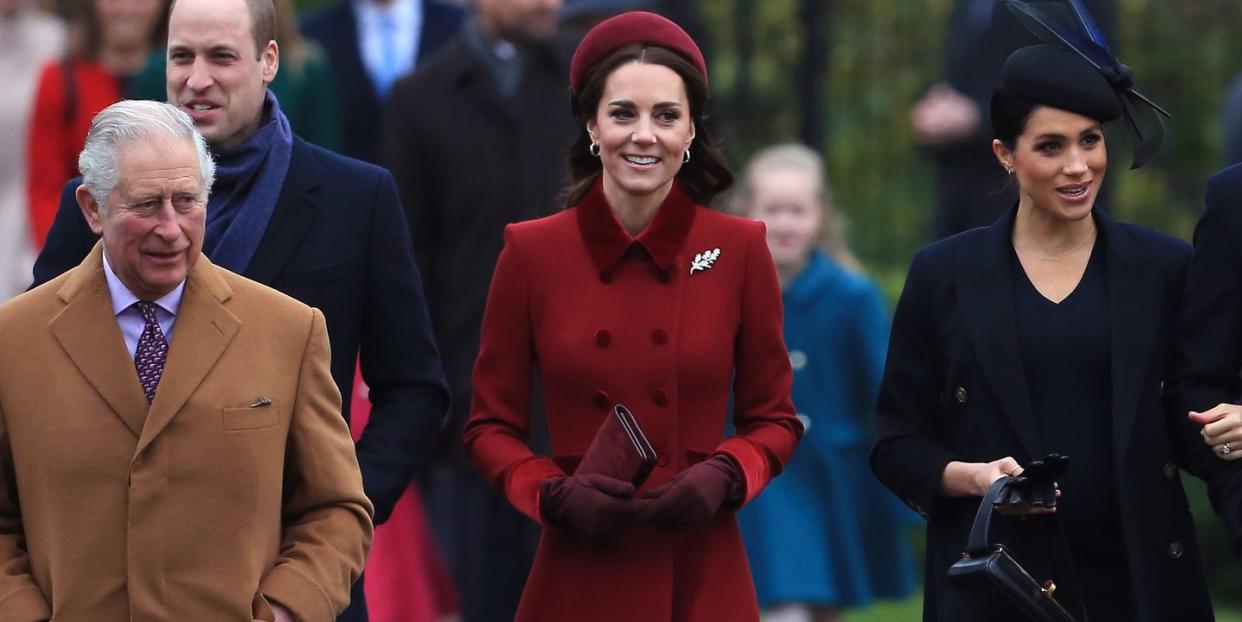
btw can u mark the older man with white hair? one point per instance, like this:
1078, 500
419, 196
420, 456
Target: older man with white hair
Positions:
171, 444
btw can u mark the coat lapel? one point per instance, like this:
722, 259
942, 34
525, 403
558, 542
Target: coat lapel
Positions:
294, 214
1134, 293
204, 329
985, 300
89, 334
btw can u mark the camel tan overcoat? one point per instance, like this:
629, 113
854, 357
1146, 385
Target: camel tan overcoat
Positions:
237, 485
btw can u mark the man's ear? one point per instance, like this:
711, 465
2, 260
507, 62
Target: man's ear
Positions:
270, 60
91, 209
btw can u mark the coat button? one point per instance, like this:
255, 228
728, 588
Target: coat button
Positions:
660, 397
659, 337
1170, 470
1175, 549
605, 276
960, 394
603, 338
601, 400
805, 421
661, 458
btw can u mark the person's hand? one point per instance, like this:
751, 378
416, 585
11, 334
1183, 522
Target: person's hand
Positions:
693, 496
282, 614
1222, 429
944, 116
973, 479
596, 506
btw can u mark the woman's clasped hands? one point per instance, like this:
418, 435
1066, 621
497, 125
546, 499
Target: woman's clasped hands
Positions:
597, 506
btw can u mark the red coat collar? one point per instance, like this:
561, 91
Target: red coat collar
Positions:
607, 241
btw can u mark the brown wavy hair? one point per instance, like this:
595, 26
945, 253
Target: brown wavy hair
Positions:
704, 178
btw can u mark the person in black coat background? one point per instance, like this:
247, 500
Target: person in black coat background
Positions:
336, 29
336, 239
1051, 331
951, 120
1207, 382
476, 140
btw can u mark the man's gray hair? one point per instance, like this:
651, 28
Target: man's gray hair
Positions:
127, 122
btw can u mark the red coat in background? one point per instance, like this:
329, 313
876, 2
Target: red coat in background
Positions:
62, 114
607, 319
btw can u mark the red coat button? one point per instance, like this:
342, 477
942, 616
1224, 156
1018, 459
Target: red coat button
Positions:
660, 397
602, 338
659, 337
601, 399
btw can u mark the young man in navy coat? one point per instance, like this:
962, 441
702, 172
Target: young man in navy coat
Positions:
322, 228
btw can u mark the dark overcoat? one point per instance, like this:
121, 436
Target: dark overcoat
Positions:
338, 242
469, 160
954, 390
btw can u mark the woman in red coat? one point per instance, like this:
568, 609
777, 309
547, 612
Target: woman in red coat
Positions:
109, 42
636, 295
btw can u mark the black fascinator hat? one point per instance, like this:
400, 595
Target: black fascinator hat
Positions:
1075, 70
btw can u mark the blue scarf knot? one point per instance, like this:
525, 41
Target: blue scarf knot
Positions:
249, 178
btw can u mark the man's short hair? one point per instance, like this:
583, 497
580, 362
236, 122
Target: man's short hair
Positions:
262, 22
125, 123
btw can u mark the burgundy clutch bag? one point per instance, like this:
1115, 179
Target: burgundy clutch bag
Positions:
619, 450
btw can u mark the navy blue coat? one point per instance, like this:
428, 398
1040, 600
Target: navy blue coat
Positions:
335, 28
338, 241
954, 389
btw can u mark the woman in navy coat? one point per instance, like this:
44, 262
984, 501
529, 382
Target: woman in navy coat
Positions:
825, 536
637, 295
1051, 331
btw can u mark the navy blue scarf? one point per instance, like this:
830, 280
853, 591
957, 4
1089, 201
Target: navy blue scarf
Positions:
248, 182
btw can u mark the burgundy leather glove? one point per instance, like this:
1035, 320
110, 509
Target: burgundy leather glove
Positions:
693, 496
596, 506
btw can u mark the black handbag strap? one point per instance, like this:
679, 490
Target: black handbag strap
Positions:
979, 542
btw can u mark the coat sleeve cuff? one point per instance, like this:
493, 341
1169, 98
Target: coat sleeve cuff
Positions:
26, 604
753, 463
297, 593
522, 484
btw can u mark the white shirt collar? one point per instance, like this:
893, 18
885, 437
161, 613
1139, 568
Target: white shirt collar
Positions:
123, 299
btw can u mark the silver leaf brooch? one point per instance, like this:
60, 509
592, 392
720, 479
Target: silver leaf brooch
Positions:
704, 260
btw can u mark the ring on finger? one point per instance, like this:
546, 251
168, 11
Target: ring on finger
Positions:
1225, 450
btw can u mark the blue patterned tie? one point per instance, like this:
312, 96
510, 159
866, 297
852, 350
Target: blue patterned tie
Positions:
152, 351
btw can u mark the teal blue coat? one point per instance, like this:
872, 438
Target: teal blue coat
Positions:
826, 532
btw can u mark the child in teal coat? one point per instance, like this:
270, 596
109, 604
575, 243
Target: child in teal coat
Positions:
826, 535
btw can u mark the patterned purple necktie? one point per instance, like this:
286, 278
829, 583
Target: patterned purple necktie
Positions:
152, 350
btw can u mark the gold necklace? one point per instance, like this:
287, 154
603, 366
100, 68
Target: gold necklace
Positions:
1046, 258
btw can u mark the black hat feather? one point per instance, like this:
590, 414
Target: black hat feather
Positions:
1082, 76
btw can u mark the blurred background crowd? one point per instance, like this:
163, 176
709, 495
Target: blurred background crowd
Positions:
467, 103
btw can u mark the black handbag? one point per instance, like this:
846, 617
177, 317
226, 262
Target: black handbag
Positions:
987, 574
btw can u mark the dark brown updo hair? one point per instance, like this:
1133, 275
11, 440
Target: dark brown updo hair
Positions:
703, 178
1009, 114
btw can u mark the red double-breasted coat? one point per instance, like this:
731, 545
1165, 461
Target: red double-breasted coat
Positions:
607, 318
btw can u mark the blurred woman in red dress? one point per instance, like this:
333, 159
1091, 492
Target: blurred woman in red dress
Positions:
109, 41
